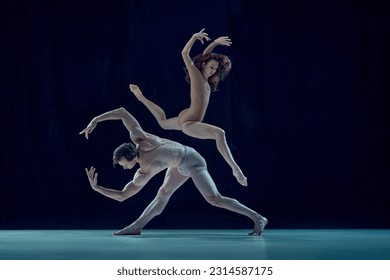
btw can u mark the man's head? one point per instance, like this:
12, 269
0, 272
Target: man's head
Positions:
125, 155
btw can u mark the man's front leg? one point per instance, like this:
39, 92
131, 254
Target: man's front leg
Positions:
153, 209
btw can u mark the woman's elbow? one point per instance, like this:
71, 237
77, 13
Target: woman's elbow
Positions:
185, 54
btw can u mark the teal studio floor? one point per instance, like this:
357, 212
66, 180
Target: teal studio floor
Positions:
275, 244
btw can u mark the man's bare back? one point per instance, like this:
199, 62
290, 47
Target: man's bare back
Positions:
164, 155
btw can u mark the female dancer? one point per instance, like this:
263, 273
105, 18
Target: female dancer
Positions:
203, 74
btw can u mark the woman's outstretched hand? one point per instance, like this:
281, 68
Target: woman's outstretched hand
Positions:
201, 35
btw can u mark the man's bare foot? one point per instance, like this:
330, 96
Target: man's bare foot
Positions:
130, 230
259, 226
240, 176
137, 92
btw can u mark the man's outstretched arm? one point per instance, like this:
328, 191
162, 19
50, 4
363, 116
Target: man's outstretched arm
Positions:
129, 190
132, 125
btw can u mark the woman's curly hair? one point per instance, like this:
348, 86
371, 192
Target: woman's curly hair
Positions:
224, 67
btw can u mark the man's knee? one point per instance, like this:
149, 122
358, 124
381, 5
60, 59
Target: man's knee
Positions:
215, 200
163, 194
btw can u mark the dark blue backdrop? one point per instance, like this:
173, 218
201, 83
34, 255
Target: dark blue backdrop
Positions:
305, 109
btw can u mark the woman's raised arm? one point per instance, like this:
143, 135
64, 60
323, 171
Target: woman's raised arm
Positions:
201, 36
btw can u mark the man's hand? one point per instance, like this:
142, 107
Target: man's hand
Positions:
91, 126
92, 176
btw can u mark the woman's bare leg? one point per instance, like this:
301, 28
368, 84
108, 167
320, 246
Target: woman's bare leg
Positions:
206, 131
173, 180
209, 191
156, 111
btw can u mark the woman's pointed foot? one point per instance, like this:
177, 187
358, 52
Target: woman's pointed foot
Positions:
240, 177
137, 92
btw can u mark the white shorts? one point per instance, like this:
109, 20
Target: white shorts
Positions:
191, 163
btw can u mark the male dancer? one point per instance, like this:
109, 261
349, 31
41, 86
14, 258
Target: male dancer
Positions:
154, 154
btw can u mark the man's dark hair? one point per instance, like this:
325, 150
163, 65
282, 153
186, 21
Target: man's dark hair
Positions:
127, 151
